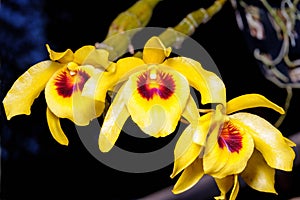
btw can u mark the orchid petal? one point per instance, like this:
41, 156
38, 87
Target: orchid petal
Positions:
268, 140
98, 86
186, 151
154, 51
224, 185
55, 128
98, 58
251, 101
156, 98
114, 120
214, 159
28, 87
189, 177
62, 57
289, 142
190, 112
64, 99
240, 145
210, 86
259, 175
82, 53
235, 189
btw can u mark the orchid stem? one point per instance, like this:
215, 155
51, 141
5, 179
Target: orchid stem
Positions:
186, 27
125, 26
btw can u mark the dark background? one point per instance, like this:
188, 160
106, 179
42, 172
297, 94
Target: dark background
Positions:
34, 165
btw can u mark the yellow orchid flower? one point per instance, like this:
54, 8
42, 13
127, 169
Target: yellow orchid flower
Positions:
245, 145
154, 91
62, 78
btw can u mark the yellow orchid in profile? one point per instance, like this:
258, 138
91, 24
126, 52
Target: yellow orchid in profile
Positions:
237, 144
154, 90
62, 78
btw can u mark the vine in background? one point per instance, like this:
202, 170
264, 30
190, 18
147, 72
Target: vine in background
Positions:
283, 20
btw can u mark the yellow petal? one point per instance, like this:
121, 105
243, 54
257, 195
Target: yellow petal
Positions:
64, 99
186, 151
213, 122
214, 159
240, 145
156, 98
259, 175
62, 57
189, 177
85, 109
289, 142
27, 87
82, 53
251, 101
210, 86
154, 51
55, 128
109, 79
235, 189
114, 120
92, 88
190, 112
224, 185
156, 121
98, 58
268, 140
201, 132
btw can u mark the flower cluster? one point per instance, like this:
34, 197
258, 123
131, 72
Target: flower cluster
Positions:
155, 91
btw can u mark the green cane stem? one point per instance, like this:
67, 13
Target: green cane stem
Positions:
187, 26
125, 25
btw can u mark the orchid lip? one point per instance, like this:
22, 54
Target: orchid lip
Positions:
231, 138
69, 82
154, 82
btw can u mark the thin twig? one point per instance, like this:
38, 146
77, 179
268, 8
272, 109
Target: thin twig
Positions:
289, 96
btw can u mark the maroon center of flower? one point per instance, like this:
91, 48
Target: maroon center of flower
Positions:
66, 83
152, 83
231, 138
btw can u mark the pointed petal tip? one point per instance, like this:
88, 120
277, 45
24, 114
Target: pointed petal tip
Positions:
105, 149
168, 51
251, 101
155, 51
8, 117
174, 173
11, 109
175, 191
55, 128
65, 143
282, 113
47, 47
104, 144
280, 110
11, 115
290, 142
